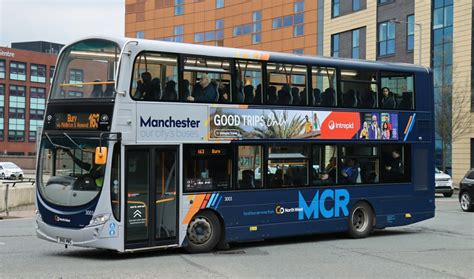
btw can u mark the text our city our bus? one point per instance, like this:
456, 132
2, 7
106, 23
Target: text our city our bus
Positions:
151, 145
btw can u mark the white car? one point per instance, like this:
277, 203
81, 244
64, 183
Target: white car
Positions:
9, 170
443, 183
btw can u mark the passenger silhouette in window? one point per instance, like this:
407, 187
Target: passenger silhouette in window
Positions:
388, 100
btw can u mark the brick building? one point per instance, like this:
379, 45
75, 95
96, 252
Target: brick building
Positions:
25, 78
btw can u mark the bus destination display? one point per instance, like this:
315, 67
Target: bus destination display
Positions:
78, 121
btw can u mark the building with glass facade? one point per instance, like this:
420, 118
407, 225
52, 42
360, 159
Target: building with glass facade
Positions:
424, 32
25, 78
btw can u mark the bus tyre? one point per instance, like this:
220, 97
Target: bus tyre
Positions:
203, 232
361, 220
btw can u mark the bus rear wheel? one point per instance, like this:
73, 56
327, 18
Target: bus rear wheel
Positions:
203, 232
361, 220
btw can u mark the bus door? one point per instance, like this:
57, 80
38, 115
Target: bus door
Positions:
151, 195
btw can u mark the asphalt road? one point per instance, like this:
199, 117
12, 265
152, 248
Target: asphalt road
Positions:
442, 247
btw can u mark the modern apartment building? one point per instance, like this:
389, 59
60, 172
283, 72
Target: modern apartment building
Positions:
434, 33
25, 78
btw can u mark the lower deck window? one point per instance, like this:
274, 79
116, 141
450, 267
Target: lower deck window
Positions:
207, 167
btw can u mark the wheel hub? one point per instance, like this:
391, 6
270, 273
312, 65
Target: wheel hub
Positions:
199, 230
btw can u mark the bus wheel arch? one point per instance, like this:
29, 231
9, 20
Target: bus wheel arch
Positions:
205, 231
361, 219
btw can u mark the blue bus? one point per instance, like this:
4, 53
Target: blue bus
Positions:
150, 145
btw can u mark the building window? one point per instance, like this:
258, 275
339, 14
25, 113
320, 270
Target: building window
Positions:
298, 51
335, 8
298, 19
17, 71
355, 43
38, 73
256, 27
178, 33
2, 110
16, 113
2, 69
219, 24
383, 2
298, 30
219, 4
51, 74
410, 32
140, 35
287, 21
355, 5
76, 76
386, 44
298, 7
199, 37
277, 22
335, 45
178, 7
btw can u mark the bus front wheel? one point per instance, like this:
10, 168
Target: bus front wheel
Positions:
203, 232
361, 220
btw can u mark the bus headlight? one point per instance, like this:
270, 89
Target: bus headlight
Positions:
99, 219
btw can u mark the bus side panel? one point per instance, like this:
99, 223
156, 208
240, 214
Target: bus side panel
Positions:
250, 215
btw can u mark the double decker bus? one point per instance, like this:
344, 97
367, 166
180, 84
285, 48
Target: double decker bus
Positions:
150, 144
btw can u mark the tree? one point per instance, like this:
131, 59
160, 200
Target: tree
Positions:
452, 121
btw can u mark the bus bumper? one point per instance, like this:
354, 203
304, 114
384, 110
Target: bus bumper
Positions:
93, 237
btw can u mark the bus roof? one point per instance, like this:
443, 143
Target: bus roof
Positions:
236, 53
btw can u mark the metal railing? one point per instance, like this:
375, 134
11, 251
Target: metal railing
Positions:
13, 183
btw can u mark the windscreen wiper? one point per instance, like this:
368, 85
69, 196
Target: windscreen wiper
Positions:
55, 144
75, 143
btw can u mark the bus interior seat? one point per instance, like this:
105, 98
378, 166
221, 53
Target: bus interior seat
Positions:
156, 89
109, 89
248, 180
170, 93
295, 93
407, 101
248, 94
316, 97
97, 90
272, 95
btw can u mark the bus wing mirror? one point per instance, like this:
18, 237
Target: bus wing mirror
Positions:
100, 155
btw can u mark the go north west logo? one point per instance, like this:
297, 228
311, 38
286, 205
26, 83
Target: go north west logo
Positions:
318, 208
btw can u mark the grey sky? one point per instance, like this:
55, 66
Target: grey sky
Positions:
59, 21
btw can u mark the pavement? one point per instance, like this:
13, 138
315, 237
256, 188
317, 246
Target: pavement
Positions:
442, 247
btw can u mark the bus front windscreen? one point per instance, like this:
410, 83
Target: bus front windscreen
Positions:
86, 70
68, 174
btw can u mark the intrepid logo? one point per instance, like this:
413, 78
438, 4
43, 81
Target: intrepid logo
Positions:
59, 219
169, 123
346, 126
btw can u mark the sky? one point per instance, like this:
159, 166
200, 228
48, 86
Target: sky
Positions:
59, 21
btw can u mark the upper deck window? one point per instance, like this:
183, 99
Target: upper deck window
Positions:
88, 67
397, 90
207, 80
287, 84
155, 77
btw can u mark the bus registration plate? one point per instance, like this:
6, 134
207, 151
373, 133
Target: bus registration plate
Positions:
64, 240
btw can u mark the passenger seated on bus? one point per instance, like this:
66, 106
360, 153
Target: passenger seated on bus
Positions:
277, 179
284, 95
248, 180
109, 89
316, 97
97, 90
329, 175
248, 94
204, 91
156, 90
144, 87
393, 170
303, 99
185, 92
349, 172
387, 100
328, 97
349, 99
170, 93
258, 95
238, 95
224, 93
368, 176
295, 93
367, 99
407, 101
272, 96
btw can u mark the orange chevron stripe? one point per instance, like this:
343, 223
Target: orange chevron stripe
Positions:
194, 208
408, 124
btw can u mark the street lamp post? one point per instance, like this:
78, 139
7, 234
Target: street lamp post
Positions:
420, 29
